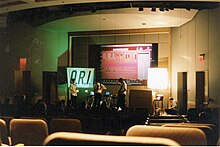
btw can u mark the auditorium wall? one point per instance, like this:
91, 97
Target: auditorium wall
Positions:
40, 47
199, 36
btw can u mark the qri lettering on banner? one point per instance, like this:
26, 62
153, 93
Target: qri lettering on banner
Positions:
84, 77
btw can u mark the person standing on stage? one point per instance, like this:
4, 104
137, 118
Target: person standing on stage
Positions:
74, 92
98, 94
121, 94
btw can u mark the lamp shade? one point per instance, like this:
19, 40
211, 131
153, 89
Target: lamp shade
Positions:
157, 78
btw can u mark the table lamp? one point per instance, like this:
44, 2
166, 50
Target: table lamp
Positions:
157, 80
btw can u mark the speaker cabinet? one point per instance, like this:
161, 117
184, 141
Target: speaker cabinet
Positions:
141, 99
22, 83
50, 86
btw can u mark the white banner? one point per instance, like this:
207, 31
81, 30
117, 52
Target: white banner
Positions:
84, 77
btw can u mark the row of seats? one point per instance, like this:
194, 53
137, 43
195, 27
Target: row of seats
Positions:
79, 139
136, 135
211, 132
33, 131
65, 131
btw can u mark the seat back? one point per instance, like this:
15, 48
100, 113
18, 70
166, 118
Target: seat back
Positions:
183, 136
213, 126
65, 125
7, 119
208, 129
79, 139
28, 131
4, 132
218, 142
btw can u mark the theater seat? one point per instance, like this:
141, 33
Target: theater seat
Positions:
64, 125
4, 132
218, 143
7, 119
72, 139
208, 129
28, 131
183, 136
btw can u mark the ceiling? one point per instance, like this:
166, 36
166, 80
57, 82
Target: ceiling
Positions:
127, 18
90, 15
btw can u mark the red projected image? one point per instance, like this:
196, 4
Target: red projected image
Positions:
129, 62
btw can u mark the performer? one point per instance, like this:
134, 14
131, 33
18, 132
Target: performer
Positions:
98, 94
74, 92
121, 94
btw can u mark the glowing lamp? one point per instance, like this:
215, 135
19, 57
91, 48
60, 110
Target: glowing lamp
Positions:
157, 78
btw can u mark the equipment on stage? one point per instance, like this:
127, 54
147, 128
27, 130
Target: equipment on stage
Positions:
111, 100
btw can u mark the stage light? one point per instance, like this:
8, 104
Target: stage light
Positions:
161, 9
167, 9
153, 9
141, 9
